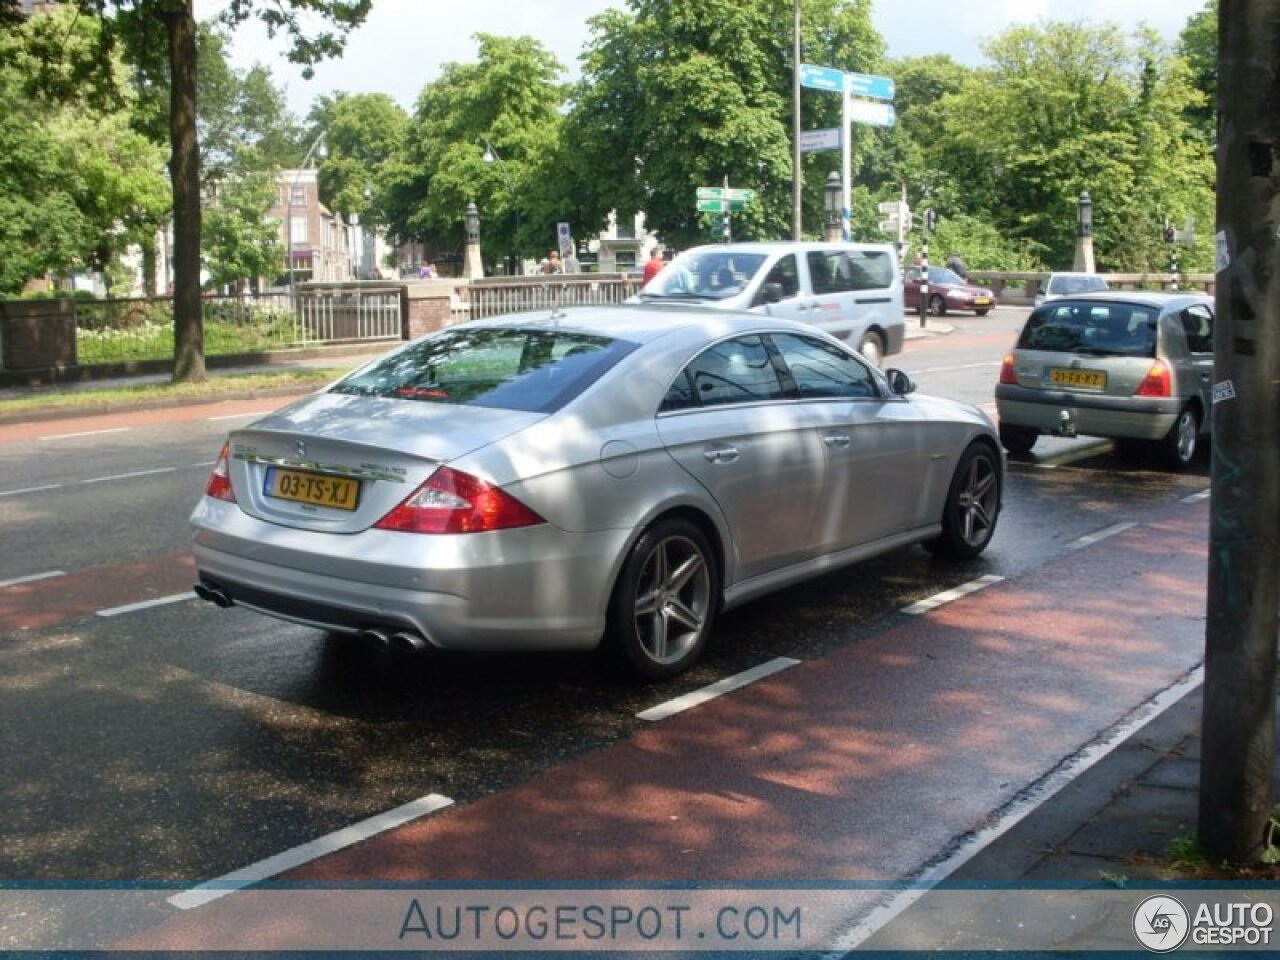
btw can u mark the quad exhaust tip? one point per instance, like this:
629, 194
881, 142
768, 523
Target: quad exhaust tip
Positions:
215, 595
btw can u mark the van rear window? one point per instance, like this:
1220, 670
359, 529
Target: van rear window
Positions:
842, 271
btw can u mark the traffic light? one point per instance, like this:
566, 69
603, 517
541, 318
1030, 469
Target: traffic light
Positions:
1169, 233
931, 219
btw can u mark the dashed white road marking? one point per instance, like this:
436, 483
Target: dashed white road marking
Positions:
240, 416
938, 599
47, 486
1102, 534
84, 433
1071, 456
1197, 497
130, 476
255, 873
717, 689
147, 604
32, 578
964, 366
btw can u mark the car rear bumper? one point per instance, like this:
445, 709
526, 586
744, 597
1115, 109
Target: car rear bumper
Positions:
535, 588
1126, 418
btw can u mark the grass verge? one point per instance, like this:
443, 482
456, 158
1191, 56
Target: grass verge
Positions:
219, 386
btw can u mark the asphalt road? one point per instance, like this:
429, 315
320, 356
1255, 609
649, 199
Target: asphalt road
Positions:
148, 736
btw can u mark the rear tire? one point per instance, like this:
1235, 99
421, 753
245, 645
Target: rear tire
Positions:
1018, 440
973, 505
981, 313
665, 601
937, 306
1180, 444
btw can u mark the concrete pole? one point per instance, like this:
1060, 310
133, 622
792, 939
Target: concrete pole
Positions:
472, 265
1243, 623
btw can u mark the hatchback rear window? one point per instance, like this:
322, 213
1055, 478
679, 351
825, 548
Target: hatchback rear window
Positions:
1092, 329
537, 371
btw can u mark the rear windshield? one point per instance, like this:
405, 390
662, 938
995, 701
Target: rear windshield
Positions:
537, 371
1092, 329
1069, 286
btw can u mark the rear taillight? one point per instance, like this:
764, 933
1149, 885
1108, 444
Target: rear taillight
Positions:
219, 485
455, 502
1007, 373
1158, 382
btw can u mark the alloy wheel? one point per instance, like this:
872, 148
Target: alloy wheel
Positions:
673, 598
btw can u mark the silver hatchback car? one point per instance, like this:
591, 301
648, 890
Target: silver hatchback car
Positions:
1128, 366
549, 480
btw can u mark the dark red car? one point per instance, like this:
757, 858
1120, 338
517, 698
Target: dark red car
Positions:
948, 292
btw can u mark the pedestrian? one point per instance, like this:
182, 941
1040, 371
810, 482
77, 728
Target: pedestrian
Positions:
654, 264
957, 266
551, 263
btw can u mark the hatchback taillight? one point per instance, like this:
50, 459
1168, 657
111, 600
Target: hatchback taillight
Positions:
455, 502
1158, 382
1007, 373
219, 485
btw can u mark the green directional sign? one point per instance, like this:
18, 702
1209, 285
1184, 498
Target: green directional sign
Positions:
711, 193
719, 206
718, 199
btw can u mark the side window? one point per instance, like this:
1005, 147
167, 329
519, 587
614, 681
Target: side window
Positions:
785, 275
823, 370
869, 269
821, 274
734, 371
1197, 324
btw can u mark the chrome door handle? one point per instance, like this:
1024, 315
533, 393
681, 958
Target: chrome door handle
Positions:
721, 455
836, 440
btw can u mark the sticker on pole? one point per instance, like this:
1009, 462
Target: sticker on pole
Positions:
1224, 254
1224, 391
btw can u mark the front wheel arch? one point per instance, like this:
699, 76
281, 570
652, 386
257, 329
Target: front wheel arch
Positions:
973, 502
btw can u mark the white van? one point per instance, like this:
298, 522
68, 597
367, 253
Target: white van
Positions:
851, 290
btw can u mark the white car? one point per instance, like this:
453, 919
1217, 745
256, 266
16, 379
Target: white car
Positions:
1070, 285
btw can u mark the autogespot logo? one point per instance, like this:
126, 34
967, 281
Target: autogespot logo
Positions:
1161, 924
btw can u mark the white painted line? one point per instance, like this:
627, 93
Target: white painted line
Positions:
85, 433
207, 463
1197, 497
47, 486
1071, 456
147, 604
130, 476
938, 599
966, 366
32, 578
717, 689
1102, 534
255, 873
240, 416
1033, 797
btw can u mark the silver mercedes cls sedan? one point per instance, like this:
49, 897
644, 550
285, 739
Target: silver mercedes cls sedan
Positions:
594, 476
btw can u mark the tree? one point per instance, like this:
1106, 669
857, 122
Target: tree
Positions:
81, 184
144, 28
1198, 45
239, 242
364, 134
675, 96
510, 99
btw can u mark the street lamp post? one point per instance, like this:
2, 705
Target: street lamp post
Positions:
316, 149
1084, 235
472, 266
832, 206
492, 156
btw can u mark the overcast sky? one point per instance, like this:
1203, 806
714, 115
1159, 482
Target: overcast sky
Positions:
403, 43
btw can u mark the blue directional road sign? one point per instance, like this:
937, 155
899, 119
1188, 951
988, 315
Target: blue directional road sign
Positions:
871, 111
866, 85
822, 78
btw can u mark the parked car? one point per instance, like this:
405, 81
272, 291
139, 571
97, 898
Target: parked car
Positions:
616, 474
1131, 366
948, 292
1069, 285
853, 291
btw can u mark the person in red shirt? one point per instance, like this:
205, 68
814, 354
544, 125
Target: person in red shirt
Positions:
654, 264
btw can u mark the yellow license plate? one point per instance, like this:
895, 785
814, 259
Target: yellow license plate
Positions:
322, 490
1088, 379
982, 301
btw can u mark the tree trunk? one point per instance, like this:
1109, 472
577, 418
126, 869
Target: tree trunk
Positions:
184, 173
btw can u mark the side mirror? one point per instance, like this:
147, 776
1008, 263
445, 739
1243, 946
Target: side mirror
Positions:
771, 292
900, 382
